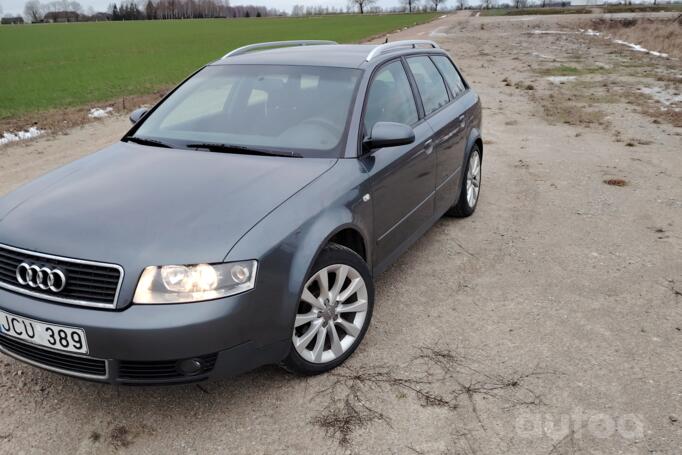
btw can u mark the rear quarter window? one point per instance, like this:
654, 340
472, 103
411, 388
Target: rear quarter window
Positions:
429, 82
450, 73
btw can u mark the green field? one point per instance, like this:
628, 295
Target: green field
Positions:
47, 66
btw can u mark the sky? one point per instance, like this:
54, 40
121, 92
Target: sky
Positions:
17, 6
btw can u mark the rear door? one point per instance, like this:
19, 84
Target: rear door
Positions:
403, 178
445, 113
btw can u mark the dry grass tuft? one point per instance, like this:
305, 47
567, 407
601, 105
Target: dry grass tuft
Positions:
341, 418
120, 437
562, 108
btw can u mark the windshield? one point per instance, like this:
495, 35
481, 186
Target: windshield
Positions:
300, 110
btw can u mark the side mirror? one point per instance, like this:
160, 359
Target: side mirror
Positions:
389, 134
137, 115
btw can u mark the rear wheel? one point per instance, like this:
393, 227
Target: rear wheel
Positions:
471, 187
333, 314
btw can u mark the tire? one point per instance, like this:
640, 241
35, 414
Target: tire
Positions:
306, 357
464, 206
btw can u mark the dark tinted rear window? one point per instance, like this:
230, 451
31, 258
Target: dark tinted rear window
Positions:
429, 82
450, 73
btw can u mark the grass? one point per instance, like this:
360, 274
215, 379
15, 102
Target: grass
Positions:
566, 70
611, 9
48, 66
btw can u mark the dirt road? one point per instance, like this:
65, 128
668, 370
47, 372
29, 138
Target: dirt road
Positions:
550, 322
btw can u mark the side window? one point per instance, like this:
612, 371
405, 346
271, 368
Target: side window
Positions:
450, 73
390, 98
430, 83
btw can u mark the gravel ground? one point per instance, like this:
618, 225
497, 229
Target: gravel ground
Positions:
549, 322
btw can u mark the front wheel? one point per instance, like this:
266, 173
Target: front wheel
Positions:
333, 314
471, 187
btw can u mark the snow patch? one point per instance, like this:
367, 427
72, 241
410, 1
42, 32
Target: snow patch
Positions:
550, 32
16, 136
438, 32
633, 46
97, 112
560, 79
443, 16
661, 95
538, 55
638, 48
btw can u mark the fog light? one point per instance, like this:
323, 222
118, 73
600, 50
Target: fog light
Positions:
190, 366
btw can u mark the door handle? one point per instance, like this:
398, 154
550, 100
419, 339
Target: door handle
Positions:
428, 146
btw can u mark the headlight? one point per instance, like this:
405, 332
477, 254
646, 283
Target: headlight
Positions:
194, 283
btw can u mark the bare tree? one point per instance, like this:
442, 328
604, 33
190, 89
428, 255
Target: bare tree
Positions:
362, 4
435, 3
410, 5
461, 4
34, 11
487, 4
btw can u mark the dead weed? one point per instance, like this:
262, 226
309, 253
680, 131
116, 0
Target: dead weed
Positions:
436, 376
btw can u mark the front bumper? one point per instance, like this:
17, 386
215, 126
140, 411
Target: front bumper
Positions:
145, 344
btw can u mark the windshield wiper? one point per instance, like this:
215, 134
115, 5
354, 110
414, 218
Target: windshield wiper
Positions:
146, 141
240, 149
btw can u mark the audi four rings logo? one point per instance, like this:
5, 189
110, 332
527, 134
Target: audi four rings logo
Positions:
41, 277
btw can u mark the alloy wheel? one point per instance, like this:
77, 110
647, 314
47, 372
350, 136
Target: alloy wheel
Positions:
473, 178
331, 313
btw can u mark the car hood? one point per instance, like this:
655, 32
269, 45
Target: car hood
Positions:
135, 205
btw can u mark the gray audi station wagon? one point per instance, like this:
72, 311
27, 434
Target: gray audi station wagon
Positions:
242, 220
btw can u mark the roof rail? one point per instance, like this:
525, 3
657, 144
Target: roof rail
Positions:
253, 47
398, 44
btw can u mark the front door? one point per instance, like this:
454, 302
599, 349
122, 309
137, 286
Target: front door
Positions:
403, 178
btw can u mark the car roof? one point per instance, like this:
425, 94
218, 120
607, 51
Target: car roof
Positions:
333, 55
340, 55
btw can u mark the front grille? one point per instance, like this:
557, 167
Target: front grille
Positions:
160, 370
56, 360
87, 283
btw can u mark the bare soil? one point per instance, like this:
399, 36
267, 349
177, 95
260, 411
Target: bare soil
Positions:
550, 322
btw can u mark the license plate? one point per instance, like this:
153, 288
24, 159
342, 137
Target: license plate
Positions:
43, 334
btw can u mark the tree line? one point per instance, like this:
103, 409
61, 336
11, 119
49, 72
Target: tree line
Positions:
72, 11
186, 9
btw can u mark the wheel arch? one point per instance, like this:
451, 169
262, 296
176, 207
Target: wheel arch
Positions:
350, 237
474, 139
340, 229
